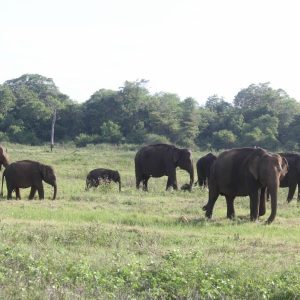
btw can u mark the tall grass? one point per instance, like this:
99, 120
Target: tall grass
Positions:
102, 244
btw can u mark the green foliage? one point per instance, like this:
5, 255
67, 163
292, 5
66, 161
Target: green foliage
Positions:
83, 139
110, 133
259, 115
224, 139
152, 138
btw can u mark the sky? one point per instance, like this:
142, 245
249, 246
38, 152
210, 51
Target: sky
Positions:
193, 48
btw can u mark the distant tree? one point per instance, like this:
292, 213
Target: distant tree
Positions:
104, 105
217, 104
223, 139
110, 132
188, 122
34, 98
7, 101
134, 101
164, 115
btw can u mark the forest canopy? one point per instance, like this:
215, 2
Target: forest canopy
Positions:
258, 116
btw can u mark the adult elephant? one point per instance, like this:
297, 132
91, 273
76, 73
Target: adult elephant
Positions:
292, 178
203, 165
246, 172
27, 173
3, 157
161, 160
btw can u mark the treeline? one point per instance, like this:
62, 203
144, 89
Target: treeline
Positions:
258, 116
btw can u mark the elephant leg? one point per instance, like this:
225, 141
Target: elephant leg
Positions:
172, 181
9, 193
298, 199
168, 184
262, 202
292, 189
40, 190
230, 207
213, 196
145, 183
18, 195
138, 180
32, 192
137, 184
175, 186
268, 194
254, 204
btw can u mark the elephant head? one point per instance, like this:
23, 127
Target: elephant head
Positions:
268, 169
48, 176
183, 159
115, 176
3, 158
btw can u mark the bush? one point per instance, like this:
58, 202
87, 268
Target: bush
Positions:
152, 138
3, 137
83, 139
111, 132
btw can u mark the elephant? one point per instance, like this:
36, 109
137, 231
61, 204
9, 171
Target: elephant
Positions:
3, 157
292, 178
203, 168
246, 172
96, 176
159, 160
28, 173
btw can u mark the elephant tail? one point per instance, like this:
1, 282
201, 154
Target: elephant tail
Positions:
3, 176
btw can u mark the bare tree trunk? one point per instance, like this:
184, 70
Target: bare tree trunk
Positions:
52, 129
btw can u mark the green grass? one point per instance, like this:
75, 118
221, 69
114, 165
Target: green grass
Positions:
103, 244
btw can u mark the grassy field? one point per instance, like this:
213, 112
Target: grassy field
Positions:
103, 244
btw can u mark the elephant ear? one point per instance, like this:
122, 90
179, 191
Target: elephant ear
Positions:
253, 166
176, 155
43, 171
284, 166
298, 164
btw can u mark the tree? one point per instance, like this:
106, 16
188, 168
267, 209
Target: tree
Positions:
164, 115
110, 132
7, 101
223, 139
188, 122
31, 100
104, 105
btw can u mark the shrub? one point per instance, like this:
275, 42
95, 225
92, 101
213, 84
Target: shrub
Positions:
152, 138
83, 139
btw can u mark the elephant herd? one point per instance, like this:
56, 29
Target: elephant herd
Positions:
252, 172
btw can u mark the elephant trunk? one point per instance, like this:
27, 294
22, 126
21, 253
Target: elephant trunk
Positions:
273, 193
120, 185
55, 190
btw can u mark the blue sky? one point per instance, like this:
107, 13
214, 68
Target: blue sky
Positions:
193, 48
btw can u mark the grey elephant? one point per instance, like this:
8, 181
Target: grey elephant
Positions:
246, 172
28, 173
162, 160
292, 178
3, 157
203, 166
96, 176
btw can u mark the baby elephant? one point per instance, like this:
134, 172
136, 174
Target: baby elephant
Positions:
97, 176
28, 173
